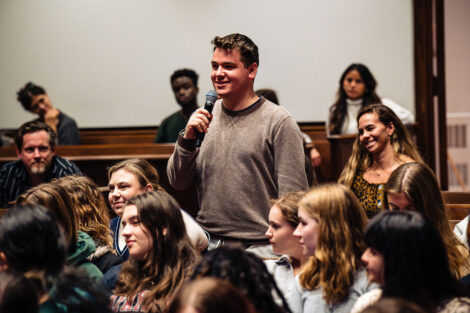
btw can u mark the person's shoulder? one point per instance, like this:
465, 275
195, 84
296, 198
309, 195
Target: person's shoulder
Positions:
64, 167
65, 119
455, 305
10, 165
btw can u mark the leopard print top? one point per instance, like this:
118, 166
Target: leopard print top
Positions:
371, 196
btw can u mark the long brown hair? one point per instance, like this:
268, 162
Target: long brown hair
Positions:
58, 202
89, 206
419, 184
340, 241
169, 262
401, 142
339, 109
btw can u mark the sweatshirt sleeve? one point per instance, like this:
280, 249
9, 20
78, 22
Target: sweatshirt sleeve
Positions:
289, 158
181, 166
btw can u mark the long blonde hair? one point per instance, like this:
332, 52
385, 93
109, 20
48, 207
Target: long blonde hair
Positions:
340, 240
401, 142
89, 206
419, 184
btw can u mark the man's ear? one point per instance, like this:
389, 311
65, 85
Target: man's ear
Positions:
148, 187
253, 70
18, 153
3, 262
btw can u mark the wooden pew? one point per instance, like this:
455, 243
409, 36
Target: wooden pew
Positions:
94, 160
457, 204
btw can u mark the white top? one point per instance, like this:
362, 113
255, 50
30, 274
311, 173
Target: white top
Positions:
460, 230
302, 300
350, 121
366, 300
283, 274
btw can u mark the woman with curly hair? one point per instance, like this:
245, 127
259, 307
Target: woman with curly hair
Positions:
383, 144
331, 234
161, 256
356, 90
413, 186
406, 256
80, 246
92, 218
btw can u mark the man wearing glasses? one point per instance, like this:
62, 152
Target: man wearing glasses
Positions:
35, 146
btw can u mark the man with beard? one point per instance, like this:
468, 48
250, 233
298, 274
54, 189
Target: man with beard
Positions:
184, 85
35, 146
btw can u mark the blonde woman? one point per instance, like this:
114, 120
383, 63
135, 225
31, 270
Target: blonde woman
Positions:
383, 144
331, 234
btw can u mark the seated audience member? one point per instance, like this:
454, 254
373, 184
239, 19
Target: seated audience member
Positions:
331, 234
357, 90
32, 245
57, 200
17, 293
314, 158
245, 271
34, 99
405, 255
184, 85
283, 220
160, 254
210, 295
383, 144
92, 218
132, 177
413, 186
35, 147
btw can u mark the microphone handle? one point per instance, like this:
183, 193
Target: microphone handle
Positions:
201, 135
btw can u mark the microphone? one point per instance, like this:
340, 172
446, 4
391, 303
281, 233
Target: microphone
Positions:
211, 97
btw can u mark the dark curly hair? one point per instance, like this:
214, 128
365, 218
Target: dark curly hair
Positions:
25, 94
245, 271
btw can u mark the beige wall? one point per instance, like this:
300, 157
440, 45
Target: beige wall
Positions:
108, 62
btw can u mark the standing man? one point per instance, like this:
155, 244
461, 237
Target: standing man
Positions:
34, 99
252, 151
35, 146
184, 85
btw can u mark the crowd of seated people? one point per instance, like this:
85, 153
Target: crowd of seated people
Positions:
262, 241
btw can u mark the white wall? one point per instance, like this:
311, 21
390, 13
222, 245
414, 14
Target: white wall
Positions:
108, 62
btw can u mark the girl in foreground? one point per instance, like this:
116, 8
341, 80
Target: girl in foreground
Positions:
331, 234
133, 177
160, 254
31, 245
407, 258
